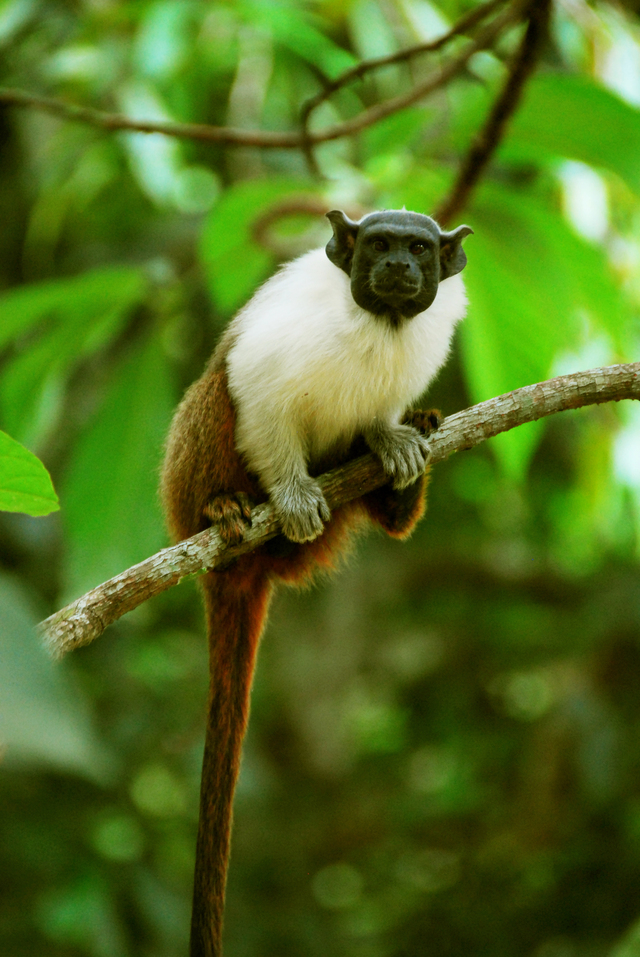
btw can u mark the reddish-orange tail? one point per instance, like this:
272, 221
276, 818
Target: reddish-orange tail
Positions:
236, 604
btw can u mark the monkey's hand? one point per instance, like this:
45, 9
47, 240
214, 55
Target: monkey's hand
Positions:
301, 508
232, 514
403, 451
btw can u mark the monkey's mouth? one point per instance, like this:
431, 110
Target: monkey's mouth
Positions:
395, 290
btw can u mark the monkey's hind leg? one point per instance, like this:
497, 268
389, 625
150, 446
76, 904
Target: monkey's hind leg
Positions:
398, 511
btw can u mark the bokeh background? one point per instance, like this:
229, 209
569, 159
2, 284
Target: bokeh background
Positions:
444, 752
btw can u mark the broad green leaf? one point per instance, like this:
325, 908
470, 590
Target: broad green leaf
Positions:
529, 276
25, 485
573, 116
561, 115
110, 496
26, 306
80, 315
233, 261
44, 719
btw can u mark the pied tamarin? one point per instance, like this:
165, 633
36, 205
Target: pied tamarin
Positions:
321, 364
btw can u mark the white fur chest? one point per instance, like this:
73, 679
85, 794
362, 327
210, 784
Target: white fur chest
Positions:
306, 361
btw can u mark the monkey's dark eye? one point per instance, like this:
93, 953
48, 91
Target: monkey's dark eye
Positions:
380, 246
417, 248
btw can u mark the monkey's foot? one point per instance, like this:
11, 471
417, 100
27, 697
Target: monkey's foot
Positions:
403, 451
425, 421
232, 514
301, 508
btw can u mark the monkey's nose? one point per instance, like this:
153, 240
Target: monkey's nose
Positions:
398, 265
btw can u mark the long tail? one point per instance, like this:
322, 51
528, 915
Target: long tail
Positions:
236, 603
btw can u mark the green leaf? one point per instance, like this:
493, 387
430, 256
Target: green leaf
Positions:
25, 484
294, 29
110, 495
629, 946
234, 263
23, 308
81, 316
420, 190
397, 132
561, 115
44, 719
573, 116
528, 278
162, 43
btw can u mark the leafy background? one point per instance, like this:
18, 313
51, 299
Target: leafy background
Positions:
443, 754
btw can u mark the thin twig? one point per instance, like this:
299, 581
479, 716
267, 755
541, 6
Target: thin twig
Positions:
439, 78
463, 25
487, 140
85, 619
231, 136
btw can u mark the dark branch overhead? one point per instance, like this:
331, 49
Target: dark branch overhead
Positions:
488, 138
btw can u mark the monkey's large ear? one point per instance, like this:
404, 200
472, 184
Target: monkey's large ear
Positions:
341, 245
453, 258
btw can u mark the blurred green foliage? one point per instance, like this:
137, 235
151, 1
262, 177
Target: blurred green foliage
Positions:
443, 754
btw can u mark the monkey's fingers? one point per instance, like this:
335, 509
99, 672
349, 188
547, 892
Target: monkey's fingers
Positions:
246, 503
302, 509
409, 461
403, 451
424, 420
232, 514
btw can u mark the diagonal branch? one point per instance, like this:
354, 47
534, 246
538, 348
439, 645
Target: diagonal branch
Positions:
85, 619
463, 25
231, 136
488, 138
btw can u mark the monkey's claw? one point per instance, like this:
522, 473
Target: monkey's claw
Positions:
232, 514
403, 451
301, 508
425, 421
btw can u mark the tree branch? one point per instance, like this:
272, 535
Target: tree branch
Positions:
305, 139
85, 619
464, 24
487, 139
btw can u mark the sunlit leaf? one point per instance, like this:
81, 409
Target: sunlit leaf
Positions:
561, 115
162, 43
25, 485
294, 29
109, 496
528, 278
573, 116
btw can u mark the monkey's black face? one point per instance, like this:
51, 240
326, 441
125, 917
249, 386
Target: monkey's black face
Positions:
395, 259
396, 265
